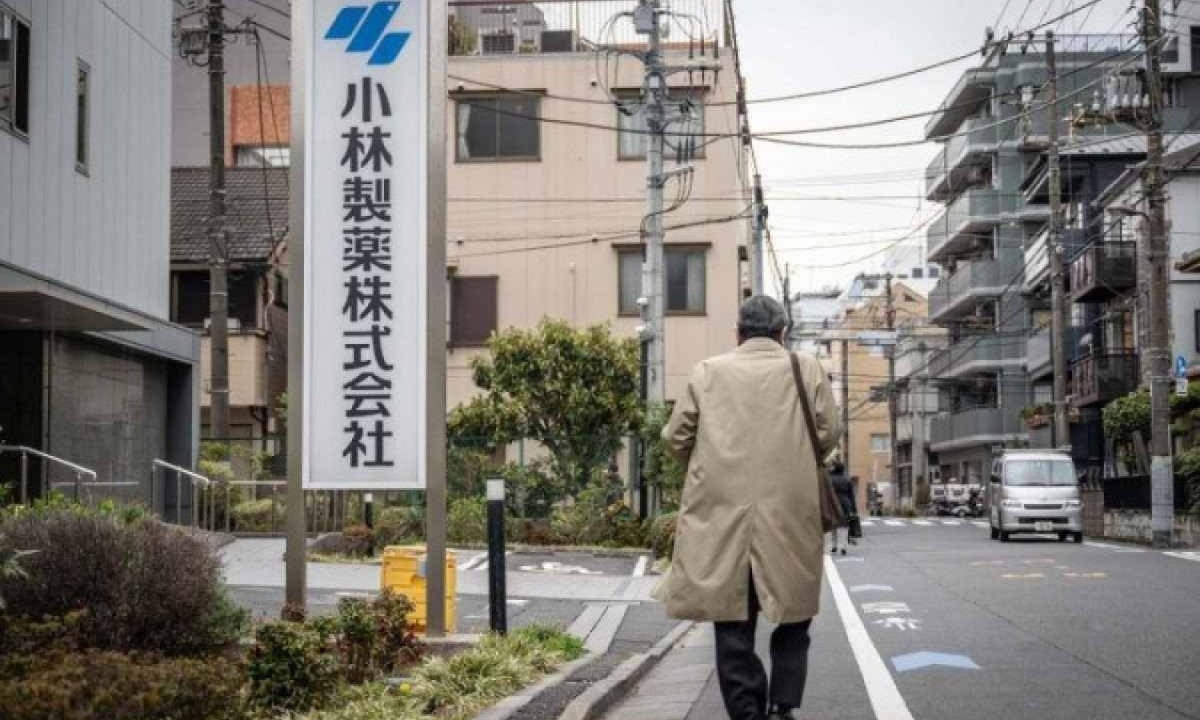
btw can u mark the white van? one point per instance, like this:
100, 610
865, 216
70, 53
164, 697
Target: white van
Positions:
1035, 491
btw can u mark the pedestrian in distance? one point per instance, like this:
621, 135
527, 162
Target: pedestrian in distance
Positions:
749, 537
843, 487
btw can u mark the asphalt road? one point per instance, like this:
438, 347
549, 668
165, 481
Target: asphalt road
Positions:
939, 622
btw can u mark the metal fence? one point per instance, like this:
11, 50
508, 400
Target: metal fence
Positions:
1133, 493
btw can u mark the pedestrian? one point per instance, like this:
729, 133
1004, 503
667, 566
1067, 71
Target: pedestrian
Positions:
843, 487
749, 536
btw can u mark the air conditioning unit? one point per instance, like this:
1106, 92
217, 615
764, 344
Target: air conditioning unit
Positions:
559, 41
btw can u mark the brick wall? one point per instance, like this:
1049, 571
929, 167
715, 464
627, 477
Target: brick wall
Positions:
244, 116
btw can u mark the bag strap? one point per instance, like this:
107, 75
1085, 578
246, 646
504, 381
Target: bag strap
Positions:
808, 414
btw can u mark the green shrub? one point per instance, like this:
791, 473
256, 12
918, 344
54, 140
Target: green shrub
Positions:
375, 637
1187, 467
399, 525
262, 515
661, 468
142, 585
1127, 416
358, 539
662, 535
96, 685
599, 516
466, 520
396, 644
292, 666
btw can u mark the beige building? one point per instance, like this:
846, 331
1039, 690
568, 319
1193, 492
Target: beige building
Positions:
544, 216
865, 387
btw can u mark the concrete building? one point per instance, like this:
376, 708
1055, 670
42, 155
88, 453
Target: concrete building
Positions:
91, 369
917, 404
544, 216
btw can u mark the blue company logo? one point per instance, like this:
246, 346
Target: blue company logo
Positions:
365, 27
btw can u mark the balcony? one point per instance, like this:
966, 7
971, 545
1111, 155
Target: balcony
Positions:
976, 355
971, 91
959, 157
975, 211
1038, 361
978, 426
958, 294
1100, 379
1103, 271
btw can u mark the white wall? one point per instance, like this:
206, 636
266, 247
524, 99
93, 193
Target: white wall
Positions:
1184, 214
107, 232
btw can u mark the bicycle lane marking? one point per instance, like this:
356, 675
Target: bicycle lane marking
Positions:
886, 700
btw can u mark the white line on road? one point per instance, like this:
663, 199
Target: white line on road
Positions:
868, 523
1187, 555
1116, 548
474, 562
640, 569
893, 523
922, 523
885, 697
953, 523
979, 523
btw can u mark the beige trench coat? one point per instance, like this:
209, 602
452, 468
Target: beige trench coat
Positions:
750, 500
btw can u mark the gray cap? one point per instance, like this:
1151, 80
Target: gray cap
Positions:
762, 314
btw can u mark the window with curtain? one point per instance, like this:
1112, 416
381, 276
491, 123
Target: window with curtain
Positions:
499, 127
14, 72
686, 280
685, 111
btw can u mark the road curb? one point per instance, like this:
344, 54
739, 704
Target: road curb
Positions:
601, 696
509, 706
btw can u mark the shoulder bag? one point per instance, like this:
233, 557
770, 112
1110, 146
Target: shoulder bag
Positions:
831, 510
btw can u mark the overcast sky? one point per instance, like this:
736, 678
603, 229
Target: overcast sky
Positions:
790, 47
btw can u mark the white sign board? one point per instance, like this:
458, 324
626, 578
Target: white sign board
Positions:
1181, 387
365, 197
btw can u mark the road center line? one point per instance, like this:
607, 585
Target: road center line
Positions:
886, 701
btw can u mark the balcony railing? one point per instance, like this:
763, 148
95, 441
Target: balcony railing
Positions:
1103, 271
978, 426
1038, 361
970, 92
972, 356
478, 27
975, 211
1099, 379
959, 156
971, 282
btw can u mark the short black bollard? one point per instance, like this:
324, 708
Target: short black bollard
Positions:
369, 520
497, 594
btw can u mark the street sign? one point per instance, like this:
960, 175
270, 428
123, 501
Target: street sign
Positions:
366, 195
1180, 367
1181, 387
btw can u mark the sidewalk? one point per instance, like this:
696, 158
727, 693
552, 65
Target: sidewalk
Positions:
684, 685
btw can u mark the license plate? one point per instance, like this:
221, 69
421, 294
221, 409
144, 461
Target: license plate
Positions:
1043, 526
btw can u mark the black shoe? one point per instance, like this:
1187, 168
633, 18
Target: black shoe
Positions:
843, 551
833, 550
779, 714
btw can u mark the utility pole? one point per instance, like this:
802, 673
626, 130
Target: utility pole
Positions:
1058, 302
760, 224
646, 21
846, 404
218, 257
891, 357
1157, 354
787, 304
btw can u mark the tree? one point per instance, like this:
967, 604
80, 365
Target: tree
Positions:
572, 391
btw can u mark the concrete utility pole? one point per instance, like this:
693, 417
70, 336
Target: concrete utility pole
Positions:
787, 303
218, 256
646, 20
1157, 355
1058, 284
846, 405
906, 492
760, 226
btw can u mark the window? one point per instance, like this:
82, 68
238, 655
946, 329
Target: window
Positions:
14, 73
685, 274
82, 73
503, 127
259, 155
472, 310
934, 273
918, 273
192, 299
685, 111
880, 444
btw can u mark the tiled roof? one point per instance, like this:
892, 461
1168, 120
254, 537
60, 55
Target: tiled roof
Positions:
250, 192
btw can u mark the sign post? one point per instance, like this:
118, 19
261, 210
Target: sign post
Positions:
1181, 383
367, 330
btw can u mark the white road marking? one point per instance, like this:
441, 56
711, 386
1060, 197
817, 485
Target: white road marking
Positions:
1115, 548
868, 523
954, 523
885, 608
1184, 555
474, 562
640, 569
922, 523
893, 523
886, 700
979, 523
902, 624
870, 588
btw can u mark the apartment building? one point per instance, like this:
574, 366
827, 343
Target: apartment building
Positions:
91, 369
547, 176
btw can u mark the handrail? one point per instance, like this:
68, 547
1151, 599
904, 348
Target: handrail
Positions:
25, 451
182, 471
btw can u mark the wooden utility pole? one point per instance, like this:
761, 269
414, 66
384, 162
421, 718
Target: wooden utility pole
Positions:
218, 256
1157, 354
905, 492
1058, 284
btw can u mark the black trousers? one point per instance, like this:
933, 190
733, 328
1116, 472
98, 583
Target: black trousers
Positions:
741, 674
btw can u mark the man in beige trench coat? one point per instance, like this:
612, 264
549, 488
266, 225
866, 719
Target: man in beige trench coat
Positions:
749, 536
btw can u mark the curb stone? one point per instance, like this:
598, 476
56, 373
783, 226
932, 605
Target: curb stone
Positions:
598, 698
508, 707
